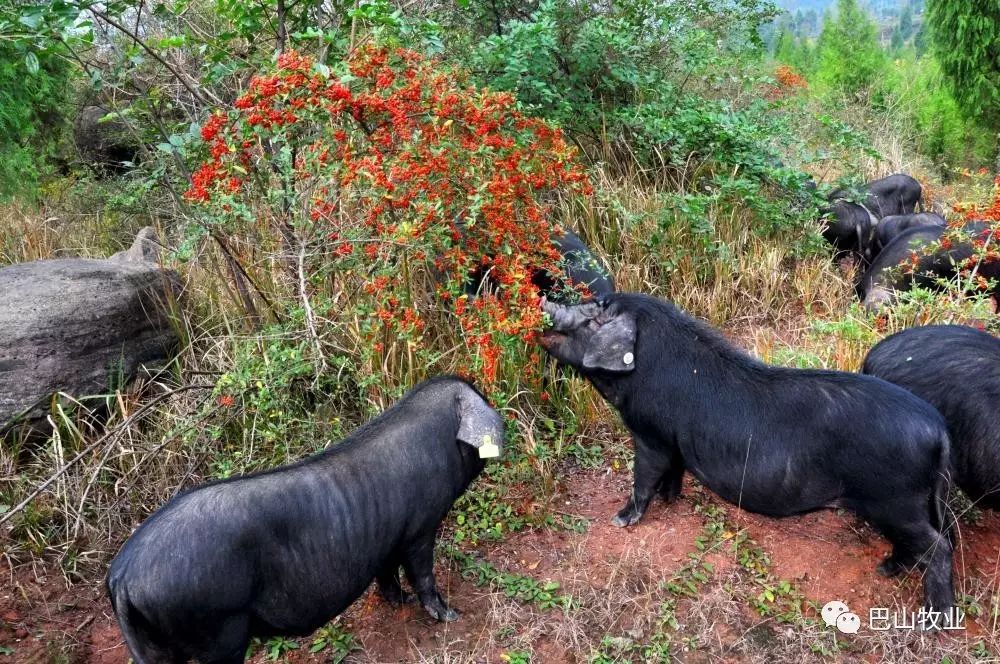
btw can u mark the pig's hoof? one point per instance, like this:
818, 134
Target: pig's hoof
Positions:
442, 613
627, 517
890, 567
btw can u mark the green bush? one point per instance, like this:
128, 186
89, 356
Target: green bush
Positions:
650, 88
944, 132
627, 72
850, 59
33, 100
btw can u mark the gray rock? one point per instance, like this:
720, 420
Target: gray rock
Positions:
145, 248
80, 326
103, 139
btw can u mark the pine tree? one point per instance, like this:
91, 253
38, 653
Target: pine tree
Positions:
920, 40
784, 47
966, 41
896, 44
906, 23
850, 58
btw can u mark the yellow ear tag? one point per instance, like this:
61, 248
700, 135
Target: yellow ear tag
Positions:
488, 450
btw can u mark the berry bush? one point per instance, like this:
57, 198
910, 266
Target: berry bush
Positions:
382, 193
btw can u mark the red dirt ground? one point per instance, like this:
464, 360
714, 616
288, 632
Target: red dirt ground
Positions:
829, 555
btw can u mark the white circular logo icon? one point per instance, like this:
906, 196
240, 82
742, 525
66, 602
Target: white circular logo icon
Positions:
848, 623
832, 610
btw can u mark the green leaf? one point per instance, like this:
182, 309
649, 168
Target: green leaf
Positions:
31, 20
31, 62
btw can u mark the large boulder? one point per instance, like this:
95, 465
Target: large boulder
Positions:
80, 326
104, 140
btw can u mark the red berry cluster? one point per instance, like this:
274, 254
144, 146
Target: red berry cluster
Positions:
788, 81
987, 243
407, 175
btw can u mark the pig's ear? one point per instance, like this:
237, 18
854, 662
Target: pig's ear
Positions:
612, 347
479, 425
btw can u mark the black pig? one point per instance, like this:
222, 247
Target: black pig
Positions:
957, 370
894, 194
889, 227
848, 227
283, 551
894, 269
773, 440
580, 265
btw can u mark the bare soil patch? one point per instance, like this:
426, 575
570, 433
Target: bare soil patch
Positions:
615, 575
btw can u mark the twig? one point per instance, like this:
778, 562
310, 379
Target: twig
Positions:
236, 265
282, 30
986, 246
156, 56
310, 319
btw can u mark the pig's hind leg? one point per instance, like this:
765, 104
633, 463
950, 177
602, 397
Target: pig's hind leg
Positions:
419, 566
230, 644
907, 524
389, 587
670, 483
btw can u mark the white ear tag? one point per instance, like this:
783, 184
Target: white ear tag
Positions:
488, 450
628, 359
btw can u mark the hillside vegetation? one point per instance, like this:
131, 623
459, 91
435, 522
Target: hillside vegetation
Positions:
306, 164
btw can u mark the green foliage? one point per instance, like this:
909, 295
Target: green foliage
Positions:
483, 513
34, 87
966, 36
798, 52
909, 94
920, 40
897, 40
276, 647
334, 642
272, 407
621, 73
645, 86
850, 59
523, 589
942, 130
905, 26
